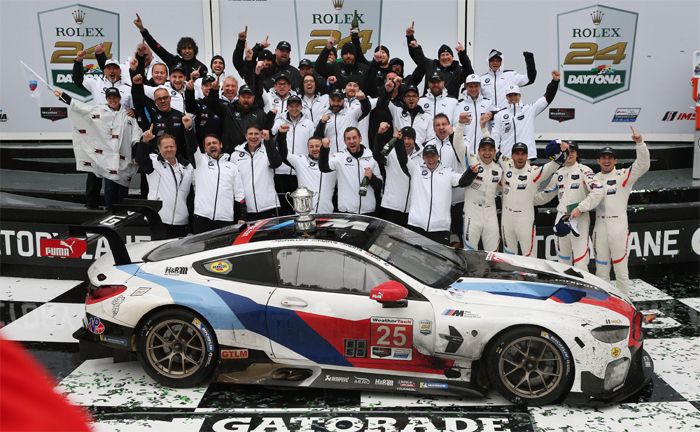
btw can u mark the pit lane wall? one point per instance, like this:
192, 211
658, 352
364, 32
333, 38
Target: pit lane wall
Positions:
659, 234
623, 62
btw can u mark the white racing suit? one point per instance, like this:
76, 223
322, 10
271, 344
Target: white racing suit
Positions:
610, 234
572, 184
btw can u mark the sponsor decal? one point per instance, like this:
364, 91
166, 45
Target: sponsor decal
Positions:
361, 381
596, 48
426, 327
380, 352
434, 385
355, 347
95, 326
460, 313
207, 337
67, 248
175, 271
675, 116
116, 302
221, 267
384, 382
233, 354
626, 115
407, 384
402, 353
53, 113
454, 340
336, 379
388, 334
140, 291
3, 116
67, 30
114, 340
615, 352
562, 114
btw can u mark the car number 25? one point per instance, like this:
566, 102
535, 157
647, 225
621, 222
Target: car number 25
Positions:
392, 332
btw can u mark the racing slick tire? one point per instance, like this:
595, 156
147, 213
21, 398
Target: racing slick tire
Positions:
530, 366
177, 348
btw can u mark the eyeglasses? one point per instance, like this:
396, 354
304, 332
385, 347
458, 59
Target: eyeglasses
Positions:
162, 98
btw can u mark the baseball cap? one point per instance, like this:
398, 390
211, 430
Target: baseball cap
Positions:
430, 148
245, 88
487, 141
566, 226
305, 63
177, 66
473, 78
293, 99
336, 93
266, 55
111, 62
112, 91
209, 78
573, 145
435, 77
408, 131
512, 89
411, 88
519, 146
607, 150
495, 53
281, 76
284, 45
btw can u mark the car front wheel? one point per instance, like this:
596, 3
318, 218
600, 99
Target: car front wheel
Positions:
530, 366
177, 348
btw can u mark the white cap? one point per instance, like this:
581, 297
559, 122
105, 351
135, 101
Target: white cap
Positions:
495, 53
473, 78
111, 62
512, 89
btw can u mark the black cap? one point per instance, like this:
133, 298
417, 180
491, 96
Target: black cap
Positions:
573, 145
607, 150
408, 131
266, 55
436, 77
178, 66
396, 61
411, 88
305, 63
430, 148
336, 93
293, 99
281, 76
519, 146
208, 78
112, 91
488, 141
284, 45
382, 48
348, 48
245, 88
444, 48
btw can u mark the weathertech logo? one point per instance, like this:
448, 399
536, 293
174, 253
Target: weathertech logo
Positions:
675, 115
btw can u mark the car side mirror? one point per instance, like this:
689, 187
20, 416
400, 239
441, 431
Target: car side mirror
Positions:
390, 294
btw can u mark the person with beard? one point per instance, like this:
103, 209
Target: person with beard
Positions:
452, 72
340, 117
308, 173
276, 98
314, 104
396, 65
96, 85
175, 85
378, 69
408, 112
219, 198
236, 117
306, 68
495, 82
436, 101
349, 66
358, 173
186, 52
206, 120
474, 105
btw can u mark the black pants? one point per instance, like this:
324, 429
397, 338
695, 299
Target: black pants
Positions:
114, 193
395, 216
285, 183
442, 237
93, 186
202, 224
457, 224
262, 215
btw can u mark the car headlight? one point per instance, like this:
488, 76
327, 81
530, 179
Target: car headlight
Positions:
611, 333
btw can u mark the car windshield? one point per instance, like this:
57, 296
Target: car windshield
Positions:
429, 262
196, 243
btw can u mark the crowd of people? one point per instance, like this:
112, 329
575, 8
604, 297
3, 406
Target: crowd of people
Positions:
360, 133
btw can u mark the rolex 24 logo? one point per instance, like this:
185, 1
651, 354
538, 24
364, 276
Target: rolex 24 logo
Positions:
596, 48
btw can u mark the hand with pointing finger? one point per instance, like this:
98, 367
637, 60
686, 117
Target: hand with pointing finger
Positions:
266, 42
244, 34
139, 23
636, 136
148, 135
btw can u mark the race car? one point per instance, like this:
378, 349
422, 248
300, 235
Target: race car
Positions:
355, 302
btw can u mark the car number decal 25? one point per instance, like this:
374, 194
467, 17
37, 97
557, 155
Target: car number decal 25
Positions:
391, 338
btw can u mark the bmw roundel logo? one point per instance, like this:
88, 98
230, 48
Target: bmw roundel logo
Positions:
424, 172
211, 163
173, 92
312, 164
241, 154
277, 101
509, 174
487, 80
505, 116
426, 105
466, 107
481, 169
404, 114
560, 178
348, 159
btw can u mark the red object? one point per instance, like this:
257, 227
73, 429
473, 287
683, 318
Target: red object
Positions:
389, 291
62, 248
28, 400
101, 293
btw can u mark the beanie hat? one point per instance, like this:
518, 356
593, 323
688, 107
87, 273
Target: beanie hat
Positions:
383, 48
217, 57
444, 48
348, 48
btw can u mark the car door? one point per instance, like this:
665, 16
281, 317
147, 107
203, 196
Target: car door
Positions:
321, 313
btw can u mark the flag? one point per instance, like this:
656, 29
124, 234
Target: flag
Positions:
35, 84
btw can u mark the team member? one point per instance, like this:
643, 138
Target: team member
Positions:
480, 218
341, 117
175, 86
431, 193
186, 51
520, 184
277, 97
397, 188
314, 103
517, 122
475, 105
347, 67
308, 172
495, 82
169, 180
358, 173
408, 112
103, 136
611, 231
437, 101
206, 120
572, 183
219, 197
257, 159
96, 85
306, 68
162, 115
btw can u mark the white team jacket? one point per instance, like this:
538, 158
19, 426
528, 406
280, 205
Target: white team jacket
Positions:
217, 184
170, 184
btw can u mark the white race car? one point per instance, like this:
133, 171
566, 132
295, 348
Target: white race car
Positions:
360, 303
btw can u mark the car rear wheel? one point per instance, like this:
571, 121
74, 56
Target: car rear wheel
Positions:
530, 366
177, 348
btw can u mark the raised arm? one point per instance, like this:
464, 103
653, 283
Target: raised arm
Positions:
238, 62
143, 151
530, 66
273, 156
323, 162
161, 52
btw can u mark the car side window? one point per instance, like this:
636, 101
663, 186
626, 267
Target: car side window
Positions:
255, 268
327, 270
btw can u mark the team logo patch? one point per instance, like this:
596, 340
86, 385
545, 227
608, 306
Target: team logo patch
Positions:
509, 174
522, 186
522, 177
506, 116
426, 105
611, 182
611, 191
95, 325
241, 154
574, 186
424, 172
575, 176
481, 169
221, 267
487, 80
312, 164
560, 178
521, 116
466, 107
348, 159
